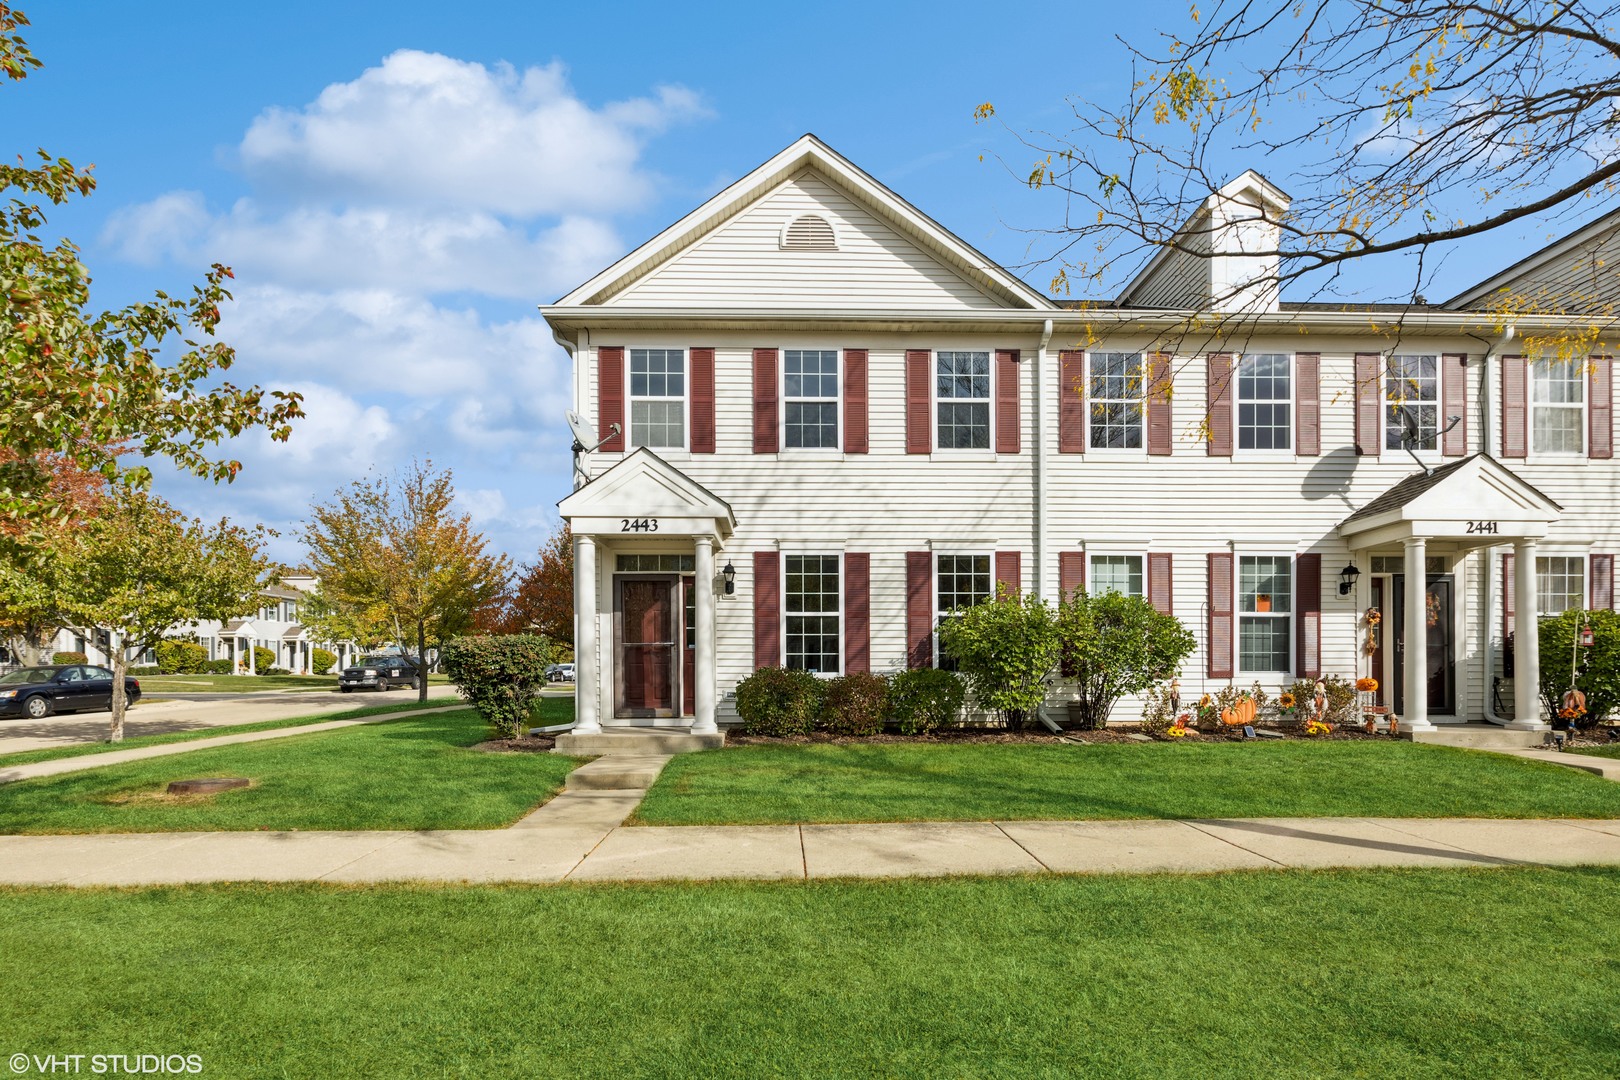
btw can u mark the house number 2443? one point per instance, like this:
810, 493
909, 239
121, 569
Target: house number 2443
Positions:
639, 525
1483, 527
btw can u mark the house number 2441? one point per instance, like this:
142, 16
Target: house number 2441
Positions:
639, 525
1489, 527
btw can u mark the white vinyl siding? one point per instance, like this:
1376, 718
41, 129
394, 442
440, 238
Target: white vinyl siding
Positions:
810, 399
812, 601
1265, 402
1557, 407
1117, 386
1265, 613
1116, 573
658, 398
962, 400
1412, 395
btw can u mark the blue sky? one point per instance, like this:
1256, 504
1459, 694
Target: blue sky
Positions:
398, 186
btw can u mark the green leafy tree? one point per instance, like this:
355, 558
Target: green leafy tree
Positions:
331, 621
140, 568
1597, 668
84, 386
396, 551
1006, 649
1113, 645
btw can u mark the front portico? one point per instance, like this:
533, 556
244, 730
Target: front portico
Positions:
646, 537
1474, 504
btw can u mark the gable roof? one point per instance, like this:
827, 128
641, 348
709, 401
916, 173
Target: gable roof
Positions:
1477, 486
1560, 259
644, 485
809, 151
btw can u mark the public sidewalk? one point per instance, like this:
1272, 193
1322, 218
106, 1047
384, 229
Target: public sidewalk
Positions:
578, 836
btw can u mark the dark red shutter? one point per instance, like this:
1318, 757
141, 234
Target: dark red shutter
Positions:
919, 609
767, 609
1071, 402
1602, 582
919, 427
1600, 409
1009, 571
1071, 572
1454, 392
1220, 615
610, 397
1509, 613
1307, 404
1008, 419
1369, 391
1515, 413
857, 611
1308, 616
855, 441
1218, 404
703, 401
1161, 583
1158, 404
766, 425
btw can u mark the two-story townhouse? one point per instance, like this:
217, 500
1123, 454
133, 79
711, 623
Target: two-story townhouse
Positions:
815, 420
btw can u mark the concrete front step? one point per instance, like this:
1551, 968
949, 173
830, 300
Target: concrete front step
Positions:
638, 741
619, 772
1479, 737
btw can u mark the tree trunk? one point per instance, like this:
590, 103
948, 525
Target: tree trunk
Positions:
120, 703
421, 660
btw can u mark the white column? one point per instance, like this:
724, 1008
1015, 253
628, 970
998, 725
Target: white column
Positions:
1415, 717
587, 683
253, 656
704, 673
1526, 642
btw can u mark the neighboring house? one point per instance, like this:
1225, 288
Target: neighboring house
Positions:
825, 420
273, 626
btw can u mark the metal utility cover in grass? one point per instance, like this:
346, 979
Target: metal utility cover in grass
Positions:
207, 787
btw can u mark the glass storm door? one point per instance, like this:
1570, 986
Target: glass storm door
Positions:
644, 624
1437, 631
689, 647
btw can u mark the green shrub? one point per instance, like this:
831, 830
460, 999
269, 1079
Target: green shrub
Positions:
180, 657
216, 667
776, 701
1006, 649
500, 676
923, 700
69, 658
274, 671
1115, 645
145, 669
263, 659
855, 704
1597, 671
321, 662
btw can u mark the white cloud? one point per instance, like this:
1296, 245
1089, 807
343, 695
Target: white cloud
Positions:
423, 127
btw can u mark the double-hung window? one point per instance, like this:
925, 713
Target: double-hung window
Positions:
813, 608
1412, 402
1265, 402
1560, 584
1118, 386
1265, 613
1557, 406
658, 398
962, 398
1116, 573
810, 393
962, 581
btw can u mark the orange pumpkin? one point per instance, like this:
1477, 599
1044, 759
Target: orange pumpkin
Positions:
1239, 714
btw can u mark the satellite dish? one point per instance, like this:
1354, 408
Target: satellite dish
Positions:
583, 436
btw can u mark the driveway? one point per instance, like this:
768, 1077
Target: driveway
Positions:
196, 712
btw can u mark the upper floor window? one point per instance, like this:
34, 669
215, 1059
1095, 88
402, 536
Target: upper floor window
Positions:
962, 390
1412, 401
960, 582
1265, 613
1557, 406
810, 394
1560, 584
1116, 573
1265, 402
658, 398
1118, 387
813, 606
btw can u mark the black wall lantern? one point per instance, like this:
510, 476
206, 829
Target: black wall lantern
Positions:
730, 574
1347, 579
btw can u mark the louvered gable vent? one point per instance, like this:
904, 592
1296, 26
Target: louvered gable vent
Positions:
809, 232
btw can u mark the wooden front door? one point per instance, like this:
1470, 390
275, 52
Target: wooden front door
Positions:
644, 624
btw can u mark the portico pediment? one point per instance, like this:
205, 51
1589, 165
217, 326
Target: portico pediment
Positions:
1475, 502
643, 496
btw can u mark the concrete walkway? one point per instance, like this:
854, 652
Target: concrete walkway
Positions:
12, 773
578, 837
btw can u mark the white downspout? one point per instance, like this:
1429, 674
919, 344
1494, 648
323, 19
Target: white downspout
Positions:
1040, 460
1488, 604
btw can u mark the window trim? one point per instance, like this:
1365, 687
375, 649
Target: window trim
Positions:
1384, 404
957, 452
630, 397
1583, 380
782, 446
939, 612
1238, 670
1092, 400
1091, 568
1236, 400
823, 553
1584, 594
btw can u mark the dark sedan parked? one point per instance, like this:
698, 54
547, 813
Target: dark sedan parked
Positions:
39, 691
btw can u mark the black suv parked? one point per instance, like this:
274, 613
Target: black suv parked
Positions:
378, 673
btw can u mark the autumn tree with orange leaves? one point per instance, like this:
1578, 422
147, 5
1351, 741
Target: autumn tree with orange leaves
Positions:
542, 601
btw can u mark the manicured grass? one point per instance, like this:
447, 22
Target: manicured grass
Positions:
897, 782
410, 773
1600, 751
245, 684
1433, 973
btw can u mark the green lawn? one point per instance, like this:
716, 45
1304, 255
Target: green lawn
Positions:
245, 684
410, 773
897, 782
1600, 751
1410, 974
